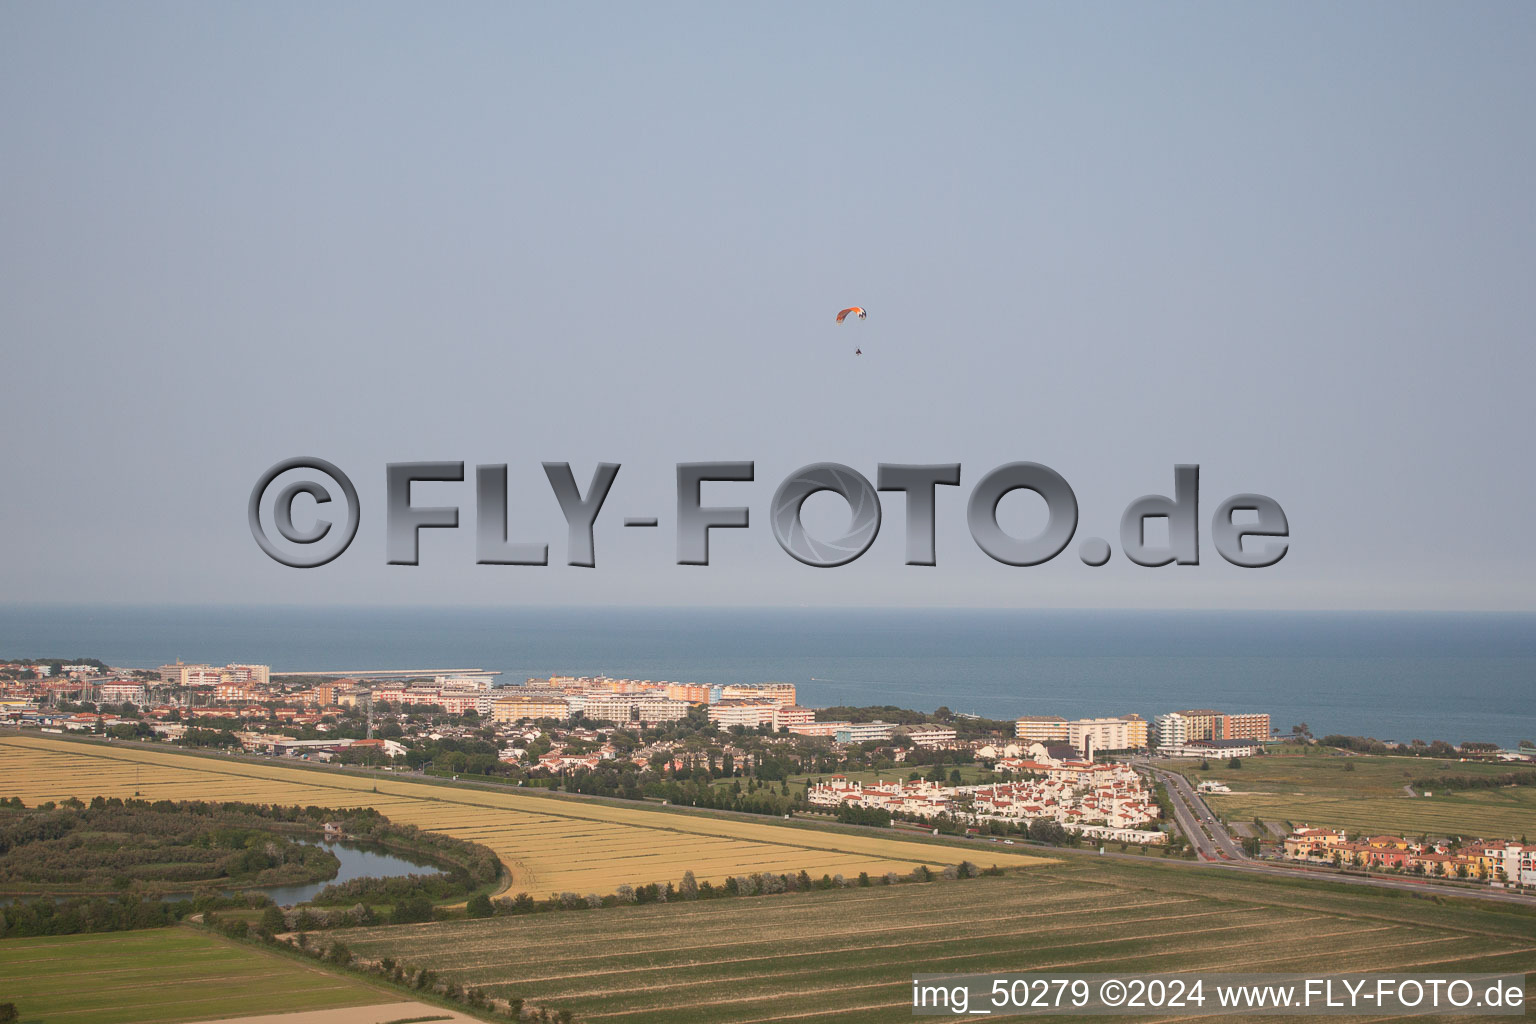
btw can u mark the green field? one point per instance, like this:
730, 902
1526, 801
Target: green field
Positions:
849, 955
1365, 793
164, 974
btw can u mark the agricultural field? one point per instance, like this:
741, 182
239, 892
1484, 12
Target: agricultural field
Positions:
849, 955
1366, 793
548, 844
161, 975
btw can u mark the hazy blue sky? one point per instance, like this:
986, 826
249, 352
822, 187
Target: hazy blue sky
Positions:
1293, 243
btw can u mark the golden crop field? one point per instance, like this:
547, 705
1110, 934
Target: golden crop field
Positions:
549, 844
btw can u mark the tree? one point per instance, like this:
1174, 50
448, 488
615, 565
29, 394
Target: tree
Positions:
272, 920
412, 911
1236, 762
689, 889
7, 1013
479, 905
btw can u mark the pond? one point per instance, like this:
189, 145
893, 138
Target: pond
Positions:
358, 860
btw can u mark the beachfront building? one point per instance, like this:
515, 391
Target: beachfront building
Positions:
254, 677
1252, 726
181, 674
693, 693
1170, 730
778, 693
1206, 723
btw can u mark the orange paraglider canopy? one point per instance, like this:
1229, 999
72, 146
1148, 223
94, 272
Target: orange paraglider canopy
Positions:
853, 309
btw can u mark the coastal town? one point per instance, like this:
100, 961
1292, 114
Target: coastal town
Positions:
293, 715
734, 746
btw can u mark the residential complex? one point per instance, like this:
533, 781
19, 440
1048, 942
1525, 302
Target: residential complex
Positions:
1178, 728
627, 708
1128, 732
120, 693
530, 705
181, 674
747, 713
1100, 800
778, 693
931, 737
1500, 862
1042, 728
787, 716
454, 697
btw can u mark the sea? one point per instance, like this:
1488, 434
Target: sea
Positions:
1390, 675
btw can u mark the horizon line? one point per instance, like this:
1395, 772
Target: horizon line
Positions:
6, 605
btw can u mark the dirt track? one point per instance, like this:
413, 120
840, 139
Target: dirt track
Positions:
377, 1014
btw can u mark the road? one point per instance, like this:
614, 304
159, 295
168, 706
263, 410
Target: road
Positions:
1212, 841
1218, 850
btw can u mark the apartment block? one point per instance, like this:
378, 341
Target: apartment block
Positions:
1041, 729
530, 704
750, 713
